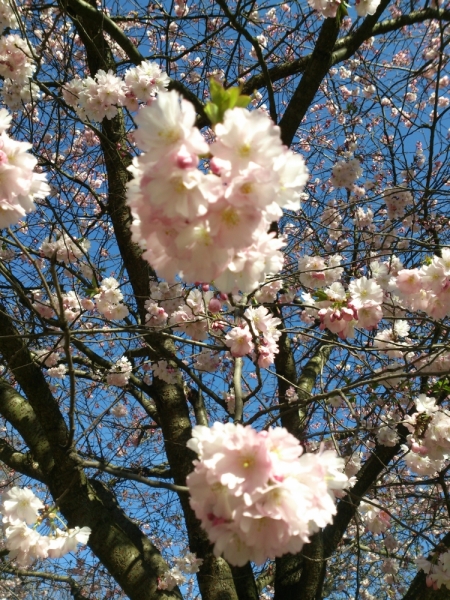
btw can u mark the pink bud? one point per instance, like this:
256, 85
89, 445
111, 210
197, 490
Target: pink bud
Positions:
186, 160
215, 167
319, 276
347, 314
205, 287
214, 305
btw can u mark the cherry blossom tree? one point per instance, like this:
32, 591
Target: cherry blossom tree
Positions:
225, 300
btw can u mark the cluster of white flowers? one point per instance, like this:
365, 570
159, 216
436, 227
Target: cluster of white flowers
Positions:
15, 61
20, 508
184, 565
375, 519
329, 8
316, 272
99, 97
15, 94
8, 18
340, 311
388, 341
345, 173
180, 212
119, 411
58, 372
109, 300
427, 288
396, 200
428, 446
19, 184
164, 371
65, 248
47, 357
119, 374
207, 361
263, 330
387, 433
256, 494
190, 316
16, 64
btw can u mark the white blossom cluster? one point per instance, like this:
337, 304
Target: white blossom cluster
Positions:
120, 373
329, 8
184, 565
345, 173
20, 508
19, 184
374, 518
109, 300
428, 446
66, 249
8, 18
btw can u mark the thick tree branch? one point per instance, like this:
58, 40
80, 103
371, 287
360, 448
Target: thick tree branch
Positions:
17, 411
19, 461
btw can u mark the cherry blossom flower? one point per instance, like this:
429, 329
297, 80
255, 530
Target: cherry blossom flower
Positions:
256, 494
20, 504
239, 341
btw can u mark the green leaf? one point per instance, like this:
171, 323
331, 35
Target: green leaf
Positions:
341, 13
320, 296
223, 99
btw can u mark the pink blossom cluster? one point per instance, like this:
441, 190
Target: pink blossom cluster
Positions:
428, 446
163, 371
182, 214
168, 296
183, 565
15, 60
259, 335
438, 571
257, 495
435, 362
109, 300
190, 317
20, 508
340, 311
156, 315
47, 357
207, 361
99, 97
317, 272
119, 374
427, 288
19, 184
72, 305
375, 519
